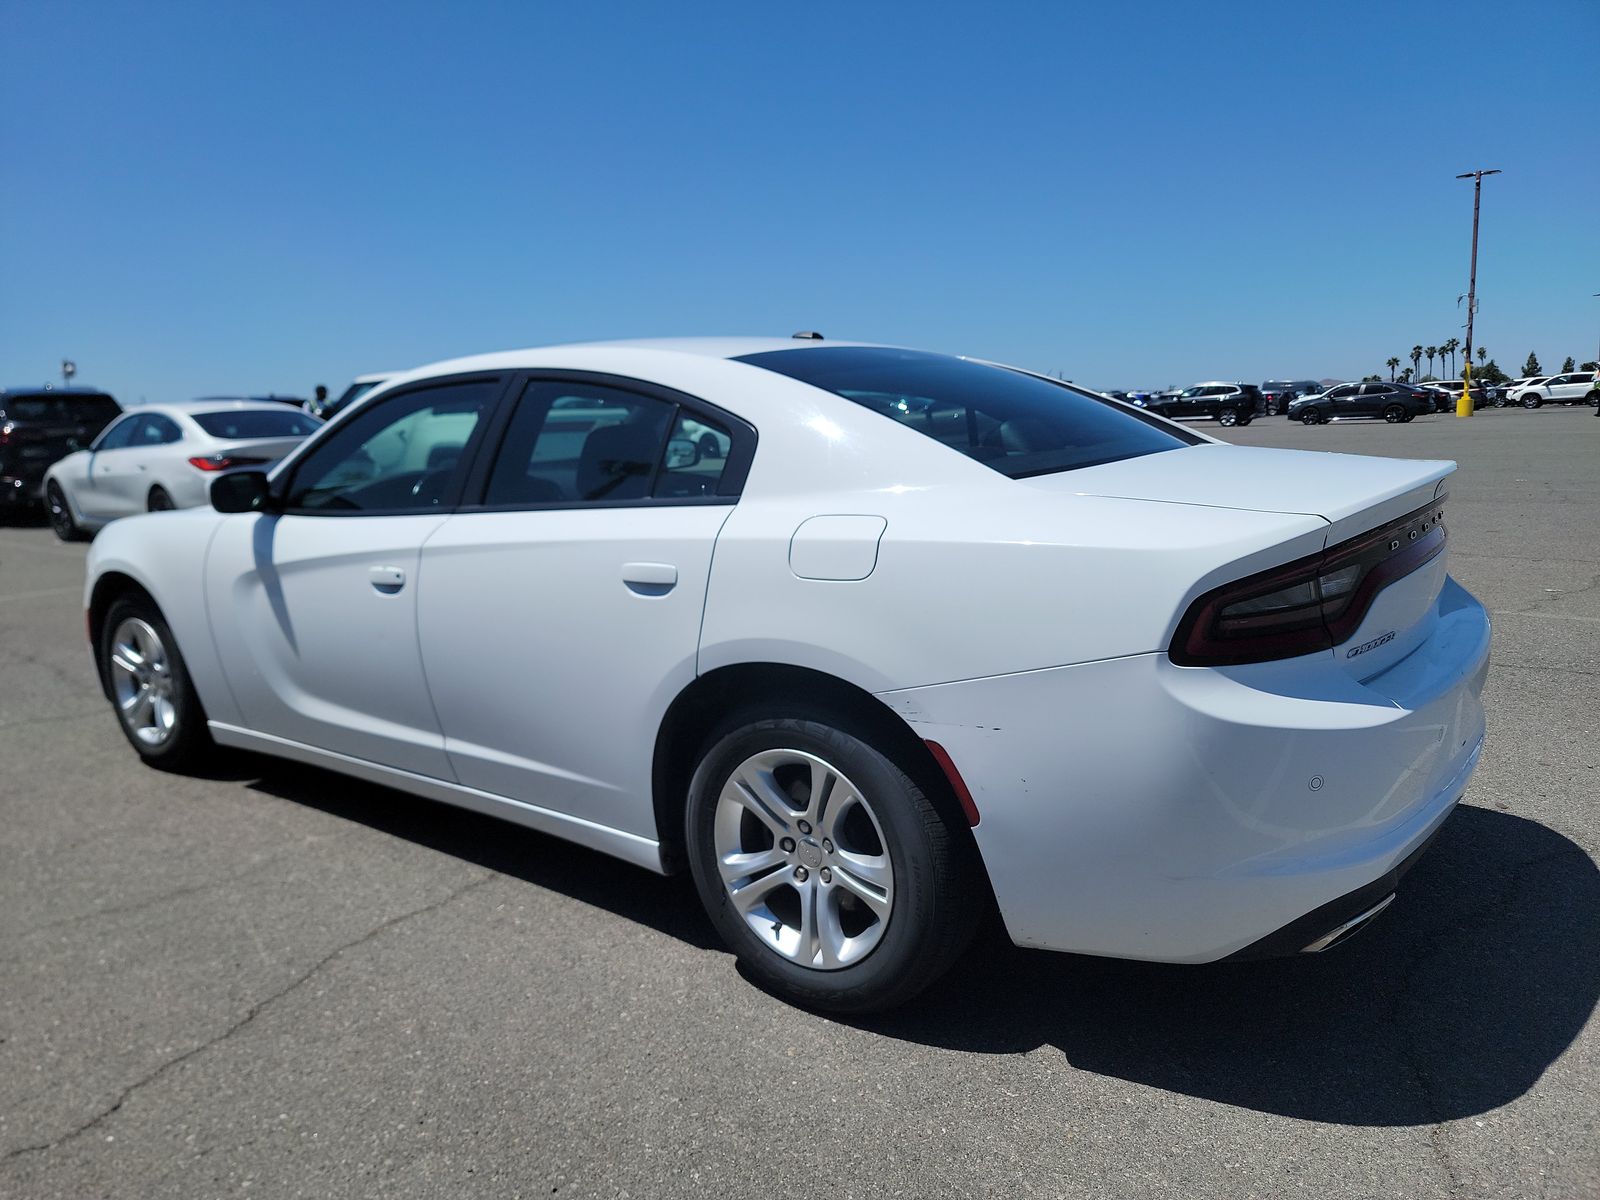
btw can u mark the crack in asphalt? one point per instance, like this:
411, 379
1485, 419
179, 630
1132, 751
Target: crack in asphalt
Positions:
1466, 923
250, 1015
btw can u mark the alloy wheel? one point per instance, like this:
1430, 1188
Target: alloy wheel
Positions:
803, 859
141, 682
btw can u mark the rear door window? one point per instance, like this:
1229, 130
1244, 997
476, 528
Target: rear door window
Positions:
573, 443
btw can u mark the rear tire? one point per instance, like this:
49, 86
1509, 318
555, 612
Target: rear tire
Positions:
853, 908
1228, 416
144, 673
1394, 414
1592, 399
159, 501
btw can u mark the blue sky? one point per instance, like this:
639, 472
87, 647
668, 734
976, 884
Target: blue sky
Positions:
248, 197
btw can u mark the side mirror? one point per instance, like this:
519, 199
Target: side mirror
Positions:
681, 453
240, 491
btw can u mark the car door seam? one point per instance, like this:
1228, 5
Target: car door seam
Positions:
422, 658
705, 596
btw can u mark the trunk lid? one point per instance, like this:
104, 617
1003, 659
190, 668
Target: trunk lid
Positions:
259, 453
1335, 487
1354, 493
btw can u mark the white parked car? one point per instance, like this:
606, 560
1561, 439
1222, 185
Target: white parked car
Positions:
932, 634
163, 456
1572, 387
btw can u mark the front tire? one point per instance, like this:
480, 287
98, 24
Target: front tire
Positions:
157, 707
1531, 402
62, 521
1311, 417
825, 867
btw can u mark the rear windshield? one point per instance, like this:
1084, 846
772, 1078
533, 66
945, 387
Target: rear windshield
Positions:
255, 423
61, 410
1018, 424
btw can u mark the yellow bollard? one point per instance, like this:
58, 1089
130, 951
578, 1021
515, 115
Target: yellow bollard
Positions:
1464, 404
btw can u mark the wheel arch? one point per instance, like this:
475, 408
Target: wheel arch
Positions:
769, 689
110, 587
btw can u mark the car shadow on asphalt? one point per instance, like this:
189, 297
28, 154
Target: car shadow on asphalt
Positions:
1453, 1003
1479, 976
665, 904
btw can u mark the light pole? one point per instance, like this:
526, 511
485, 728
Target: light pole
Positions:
1464, 405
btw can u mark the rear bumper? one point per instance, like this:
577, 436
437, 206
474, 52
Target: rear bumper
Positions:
1137, 809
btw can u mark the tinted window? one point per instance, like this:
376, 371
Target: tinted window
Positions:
118, 435
1015, 423
572, 442
696, 454
61, 410
248, 423
153, 429
404, 454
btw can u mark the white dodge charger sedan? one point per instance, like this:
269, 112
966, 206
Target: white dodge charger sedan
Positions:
932, 635
162, 456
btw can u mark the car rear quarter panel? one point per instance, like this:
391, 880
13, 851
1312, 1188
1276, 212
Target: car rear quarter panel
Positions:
978, 579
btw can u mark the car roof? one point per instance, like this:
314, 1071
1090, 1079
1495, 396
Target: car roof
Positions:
375, 376
227, 404
36, 390
641, 353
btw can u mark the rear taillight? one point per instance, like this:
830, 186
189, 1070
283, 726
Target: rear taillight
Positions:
1308, 605
221, 462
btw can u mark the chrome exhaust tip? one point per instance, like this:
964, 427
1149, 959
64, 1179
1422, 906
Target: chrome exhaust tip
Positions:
1349, 929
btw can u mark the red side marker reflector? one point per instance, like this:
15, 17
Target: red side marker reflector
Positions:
957, 784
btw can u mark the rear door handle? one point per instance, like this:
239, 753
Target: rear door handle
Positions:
387, 580
650, 578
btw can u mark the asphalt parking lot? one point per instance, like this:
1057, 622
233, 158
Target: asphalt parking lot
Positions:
285, 981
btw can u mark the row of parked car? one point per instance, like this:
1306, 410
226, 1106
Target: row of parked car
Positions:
1235, 403
91, 461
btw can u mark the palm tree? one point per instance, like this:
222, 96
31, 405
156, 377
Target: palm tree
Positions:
1416, 360
1451, 347
1405, 376
1482, 355
1432, 352
1393, 364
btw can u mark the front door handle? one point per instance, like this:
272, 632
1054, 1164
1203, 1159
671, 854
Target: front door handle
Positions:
387, 580
650, 578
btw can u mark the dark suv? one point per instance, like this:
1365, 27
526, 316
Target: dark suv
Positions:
1395, 403
1229, 403
39, 426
